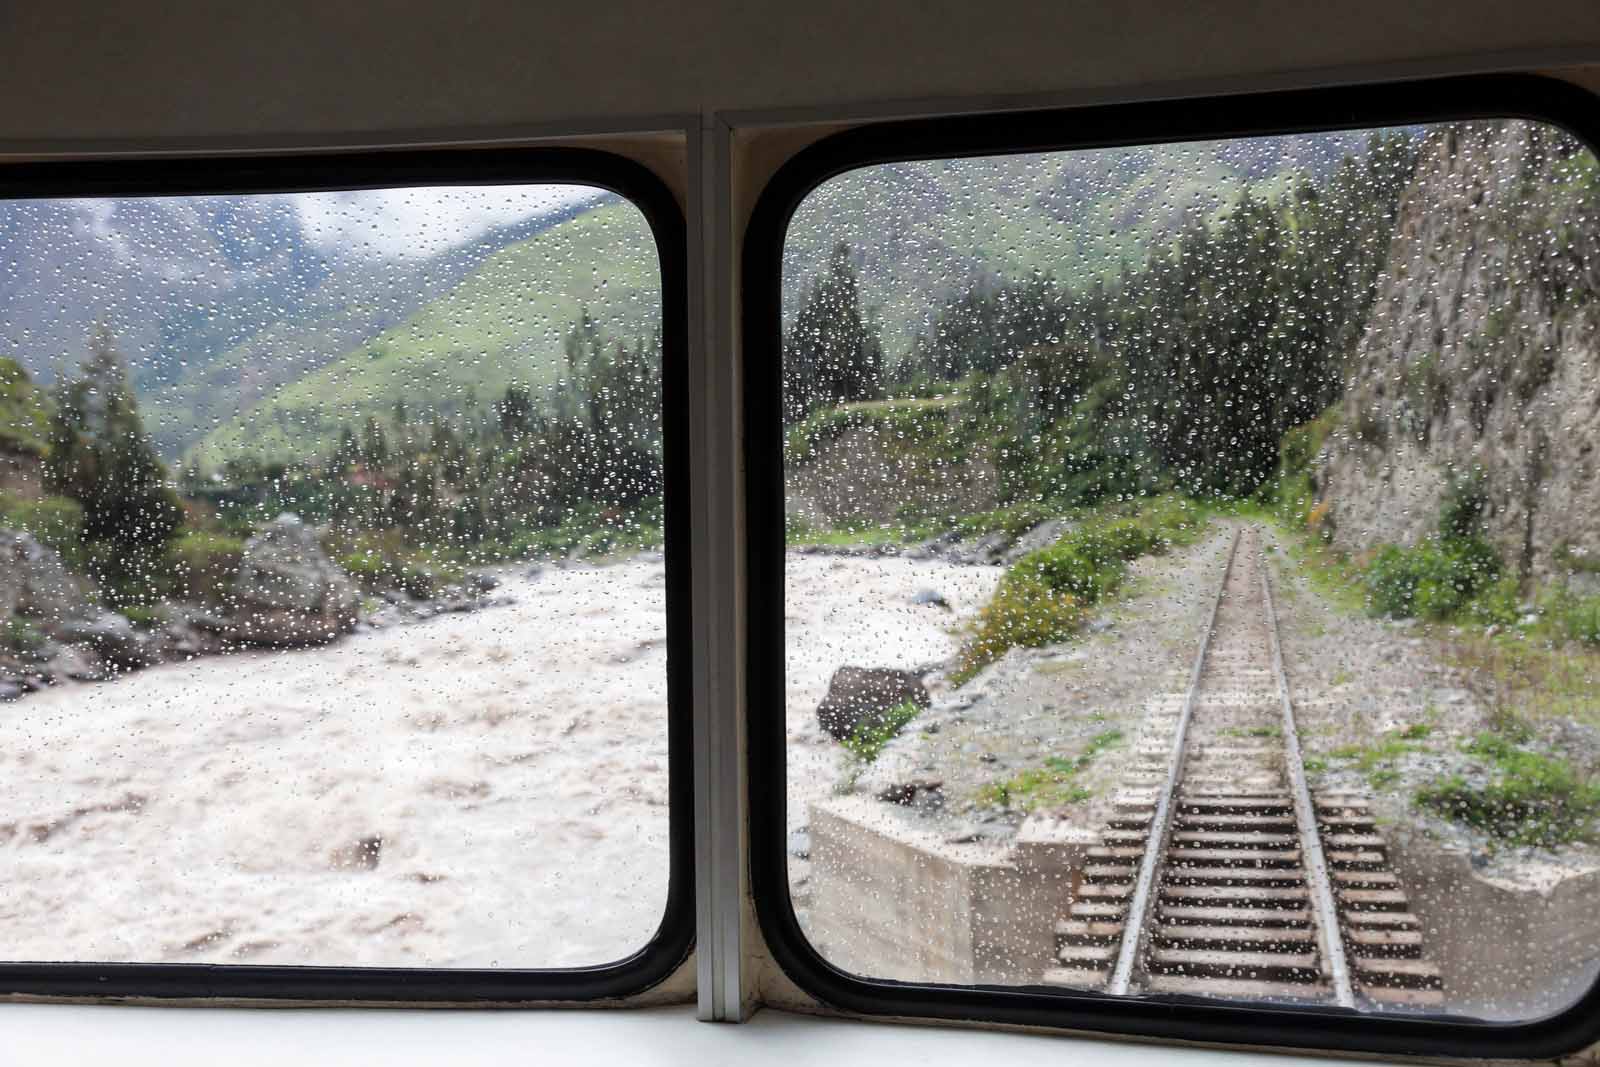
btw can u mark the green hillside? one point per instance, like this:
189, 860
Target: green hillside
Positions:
506, 323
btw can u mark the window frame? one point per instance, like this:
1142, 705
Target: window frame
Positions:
673, 940
1503, 96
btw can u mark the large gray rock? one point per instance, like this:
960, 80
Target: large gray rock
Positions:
288, 591
858, 694
113, 638
35, 584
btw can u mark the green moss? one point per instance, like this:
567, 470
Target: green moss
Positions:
145, 617
923, 426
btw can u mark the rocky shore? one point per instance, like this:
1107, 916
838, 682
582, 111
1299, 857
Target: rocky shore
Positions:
287, 594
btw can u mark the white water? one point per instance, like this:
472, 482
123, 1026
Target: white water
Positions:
512, 762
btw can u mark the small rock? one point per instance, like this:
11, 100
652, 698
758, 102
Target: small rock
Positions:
988, 757
10, 690
800, 845
931, 597
483, 583
533, 573
907, 792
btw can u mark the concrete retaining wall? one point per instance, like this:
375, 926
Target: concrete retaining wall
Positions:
891, 900
1506, 950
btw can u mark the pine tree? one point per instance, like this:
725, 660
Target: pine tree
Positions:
831, 355
374, 445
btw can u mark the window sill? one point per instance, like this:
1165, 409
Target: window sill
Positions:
175, 1037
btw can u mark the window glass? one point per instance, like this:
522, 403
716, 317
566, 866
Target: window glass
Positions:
332, 601
1190, 573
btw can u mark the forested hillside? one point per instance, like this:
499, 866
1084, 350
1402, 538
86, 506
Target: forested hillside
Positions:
1182, 370
924, 231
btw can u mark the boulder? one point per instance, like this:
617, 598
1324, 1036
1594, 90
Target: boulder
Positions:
1043, 535
857, 694
288, 591
34, 583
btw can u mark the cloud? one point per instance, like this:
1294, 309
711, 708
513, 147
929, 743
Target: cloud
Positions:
407, 223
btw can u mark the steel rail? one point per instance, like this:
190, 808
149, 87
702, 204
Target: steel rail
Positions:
1161, 821
1334, 963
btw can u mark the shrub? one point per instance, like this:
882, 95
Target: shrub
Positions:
1067, 568
1041, 600
869, 735
1433, 580
1461, 510
1578, 617
1024, 612
146, 617
21, 637
1498, 604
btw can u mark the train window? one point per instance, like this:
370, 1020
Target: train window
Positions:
1185, 576
335, 599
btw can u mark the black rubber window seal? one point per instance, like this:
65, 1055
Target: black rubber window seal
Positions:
1503, 96
671, 943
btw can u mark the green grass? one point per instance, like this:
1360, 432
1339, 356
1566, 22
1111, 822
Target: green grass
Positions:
869, 736
505, 323
1377, 761
1253, 731
1051, 786
1529, 676
1529, 798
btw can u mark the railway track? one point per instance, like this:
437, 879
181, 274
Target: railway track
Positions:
1220, 874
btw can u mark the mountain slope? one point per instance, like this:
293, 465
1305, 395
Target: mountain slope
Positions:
925, 230
505, 323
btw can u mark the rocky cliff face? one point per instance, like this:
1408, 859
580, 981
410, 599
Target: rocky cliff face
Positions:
1480, 357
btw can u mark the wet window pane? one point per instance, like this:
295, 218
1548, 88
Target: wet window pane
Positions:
1191, 581
332, 610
